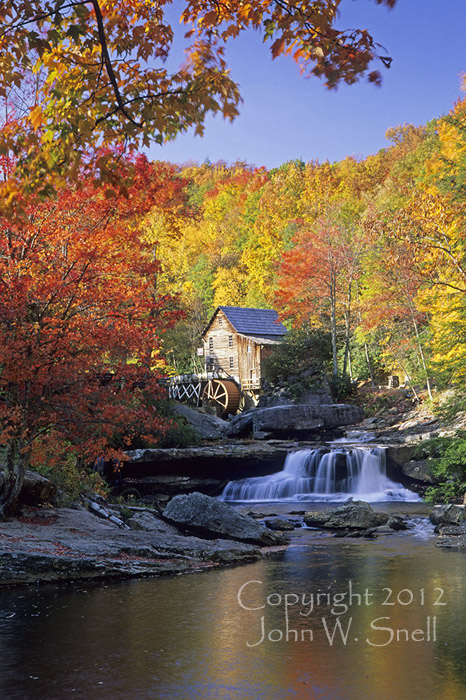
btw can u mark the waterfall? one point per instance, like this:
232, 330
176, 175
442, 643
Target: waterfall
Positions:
324, 475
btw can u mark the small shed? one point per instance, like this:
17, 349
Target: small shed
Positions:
236, 340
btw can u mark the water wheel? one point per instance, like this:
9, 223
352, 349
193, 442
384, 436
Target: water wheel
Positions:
223, 395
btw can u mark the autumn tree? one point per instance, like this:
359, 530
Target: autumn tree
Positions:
103, 77
317, 278
80, 328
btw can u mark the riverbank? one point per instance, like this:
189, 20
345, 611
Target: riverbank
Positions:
66, 544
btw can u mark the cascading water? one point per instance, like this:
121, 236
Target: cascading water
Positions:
323, 475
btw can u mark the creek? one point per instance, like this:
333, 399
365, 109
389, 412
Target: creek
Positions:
325, 619
389, 623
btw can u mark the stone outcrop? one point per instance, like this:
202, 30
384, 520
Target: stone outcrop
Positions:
356, 515
420, 470
171, 485
37, 490
286, 420
207, 427
222, 461
448, 515
401, 454
68, 544
210, 517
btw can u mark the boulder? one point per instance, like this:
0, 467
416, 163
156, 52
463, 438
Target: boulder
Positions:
208, 427
357, 515
396, 522
448, 515
279, 524
304, 417
401, 454
420, 470
37, 490
210, 517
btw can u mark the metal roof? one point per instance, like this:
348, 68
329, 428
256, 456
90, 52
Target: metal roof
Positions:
257, 322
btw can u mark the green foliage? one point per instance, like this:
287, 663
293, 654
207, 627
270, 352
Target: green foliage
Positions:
180, 433
449, 454
341, 387
304, 350
68, 472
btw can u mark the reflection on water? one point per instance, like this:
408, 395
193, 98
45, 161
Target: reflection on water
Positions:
188, 637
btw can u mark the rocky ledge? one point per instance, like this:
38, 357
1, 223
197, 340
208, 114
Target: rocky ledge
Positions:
64, 544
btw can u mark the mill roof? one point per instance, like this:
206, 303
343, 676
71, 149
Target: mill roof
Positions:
252, 322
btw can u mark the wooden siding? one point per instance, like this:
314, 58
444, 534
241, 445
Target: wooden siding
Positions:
217, 347
237, 354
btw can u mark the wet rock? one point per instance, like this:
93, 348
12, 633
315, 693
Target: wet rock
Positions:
72, 544
396, 522
369, 533
448, 515
279, 524
210, 517
451, 542
356, 515
453, 529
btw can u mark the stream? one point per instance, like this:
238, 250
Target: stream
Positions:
327, 619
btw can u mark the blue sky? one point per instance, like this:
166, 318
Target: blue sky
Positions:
286, 116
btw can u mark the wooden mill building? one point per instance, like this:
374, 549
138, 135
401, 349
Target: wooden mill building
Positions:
236, 340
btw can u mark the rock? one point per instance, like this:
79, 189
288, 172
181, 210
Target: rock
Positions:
420, 470
396, 522
71, 544
145, 520
449, 542
172, 485
261, 435
356, 515
103, 512
448, 515
240, 425
208, 427
303, 417
37, 490
279, 524
210, 517
453, 529
228, 460
401, 454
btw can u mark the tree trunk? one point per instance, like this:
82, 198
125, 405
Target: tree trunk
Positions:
421, 353
346, 359
369, 364
12, 481
333, 321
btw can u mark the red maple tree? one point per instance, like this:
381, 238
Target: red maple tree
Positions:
78, 308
